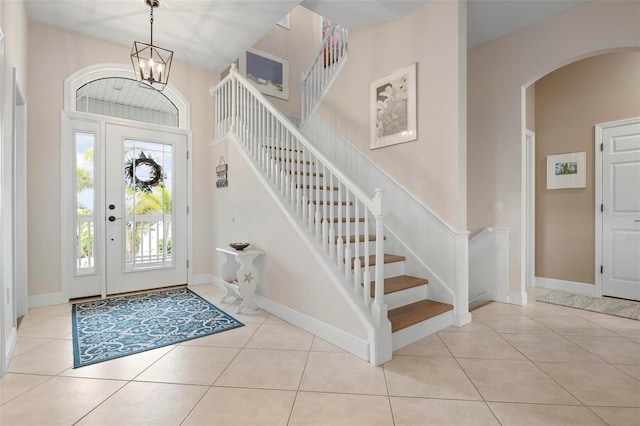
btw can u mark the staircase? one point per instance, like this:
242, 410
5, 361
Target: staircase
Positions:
346, 223
404, 295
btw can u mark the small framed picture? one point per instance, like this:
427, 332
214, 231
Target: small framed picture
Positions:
567, 170
268, 73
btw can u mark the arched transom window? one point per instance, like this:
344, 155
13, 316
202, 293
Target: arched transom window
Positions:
123, 98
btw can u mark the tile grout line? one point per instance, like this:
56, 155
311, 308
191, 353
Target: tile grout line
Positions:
304, 369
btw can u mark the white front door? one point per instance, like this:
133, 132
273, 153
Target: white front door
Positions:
130, 211
146, 209
621, 211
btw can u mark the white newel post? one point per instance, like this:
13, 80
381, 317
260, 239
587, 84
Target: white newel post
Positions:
379, 215
461, 315
381, 343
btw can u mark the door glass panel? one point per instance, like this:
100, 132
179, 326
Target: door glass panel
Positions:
148, 214
85, 208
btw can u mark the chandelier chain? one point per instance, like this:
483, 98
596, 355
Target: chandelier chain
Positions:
151, 21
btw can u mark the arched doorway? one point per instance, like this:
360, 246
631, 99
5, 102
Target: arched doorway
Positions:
570, 102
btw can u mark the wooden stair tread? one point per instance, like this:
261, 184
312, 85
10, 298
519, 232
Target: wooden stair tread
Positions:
352, 238
322, 188
295, 172
335, 203
408, 315
388, 258
291, 160
344, 220
399, 283
281, 149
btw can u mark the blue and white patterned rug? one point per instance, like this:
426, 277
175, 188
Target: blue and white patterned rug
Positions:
112, 328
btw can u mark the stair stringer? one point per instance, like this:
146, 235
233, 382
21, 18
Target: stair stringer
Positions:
440, 255
379, 343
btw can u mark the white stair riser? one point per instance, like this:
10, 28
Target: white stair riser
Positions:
405, 297
352, 227
423, 329
372, 247
390, 270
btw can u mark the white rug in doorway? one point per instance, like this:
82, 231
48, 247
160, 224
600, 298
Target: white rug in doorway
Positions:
604, 305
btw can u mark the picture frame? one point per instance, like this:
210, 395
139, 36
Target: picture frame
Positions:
567, 170
393, 108
267, 72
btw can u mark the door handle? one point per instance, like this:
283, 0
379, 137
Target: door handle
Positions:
113, 218
637, 220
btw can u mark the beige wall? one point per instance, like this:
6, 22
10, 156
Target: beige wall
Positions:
298, 45
569, 102
499, 71
53, 54
431, 168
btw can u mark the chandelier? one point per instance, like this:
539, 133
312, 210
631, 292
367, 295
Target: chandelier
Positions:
151, 64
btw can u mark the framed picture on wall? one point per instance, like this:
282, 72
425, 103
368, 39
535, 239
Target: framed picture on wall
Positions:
567, 170
393, 108
267, 72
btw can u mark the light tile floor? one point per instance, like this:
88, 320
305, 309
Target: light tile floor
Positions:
536, 364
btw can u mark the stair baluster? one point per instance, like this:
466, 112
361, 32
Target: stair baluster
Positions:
347, 249
339, 240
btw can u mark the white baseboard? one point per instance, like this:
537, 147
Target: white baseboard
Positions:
570, 286
218, 282
10, 345
462, 319
350, 343
502, 298
517, 298
47, 300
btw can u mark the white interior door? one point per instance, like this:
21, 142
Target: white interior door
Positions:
621, 211
146, 209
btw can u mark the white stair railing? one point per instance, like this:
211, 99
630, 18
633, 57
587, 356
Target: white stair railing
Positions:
339, 215
327, 64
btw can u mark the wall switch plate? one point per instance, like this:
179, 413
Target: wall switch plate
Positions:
496, 206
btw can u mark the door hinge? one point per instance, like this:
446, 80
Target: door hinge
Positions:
602, 207
602, 147
187, 264
187, 209
601, 269
187, 154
